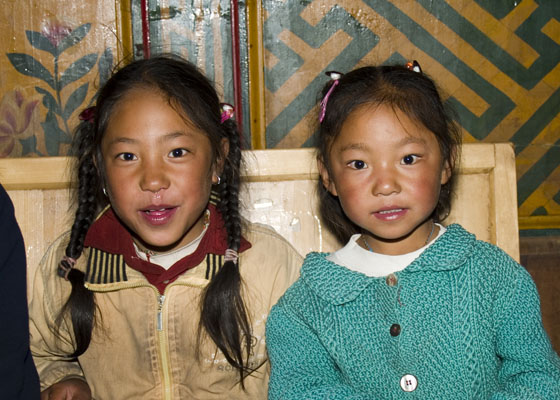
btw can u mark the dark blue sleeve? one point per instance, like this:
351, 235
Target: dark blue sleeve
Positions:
18, 376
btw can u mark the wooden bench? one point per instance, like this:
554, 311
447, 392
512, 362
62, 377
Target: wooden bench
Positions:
279, 191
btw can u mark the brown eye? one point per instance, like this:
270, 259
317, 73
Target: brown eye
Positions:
127, 156
409, 159
175, 153
357, 164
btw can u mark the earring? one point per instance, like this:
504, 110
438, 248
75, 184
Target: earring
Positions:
105, 192
219, 180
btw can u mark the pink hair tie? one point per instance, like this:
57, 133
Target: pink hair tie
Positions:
227, 112
335, 76
231, 255
66, 266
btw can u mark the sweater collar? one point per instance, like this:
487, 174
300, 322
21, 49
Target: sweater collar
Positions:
338, 285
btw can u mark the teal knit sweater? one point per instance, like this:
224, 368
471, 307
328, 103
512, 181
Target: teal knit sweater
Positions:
463, 320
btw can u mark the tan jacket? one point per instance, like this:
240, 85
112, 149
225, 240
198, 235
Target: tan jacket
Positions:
144, 345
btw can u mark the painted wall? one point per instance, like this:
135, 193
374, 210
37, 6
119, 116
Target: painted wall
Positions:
497, 62
54, 56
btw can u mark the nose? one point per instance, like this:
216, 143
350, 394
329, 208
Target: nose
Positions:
385, 182
154, 177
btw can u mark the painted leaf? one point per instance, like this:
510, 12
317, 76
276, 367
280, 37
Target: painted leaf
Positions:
40, 42
53, 134
105, 66
75, 100
27, 65
48, 100
76, 36
29, 145
78, 69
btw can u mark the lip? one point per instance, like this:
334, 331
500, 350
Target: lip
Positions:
390, 213
158, 215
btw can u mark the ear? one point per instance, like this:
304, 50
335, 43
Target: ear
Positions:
446, 172
325, 178
220, 160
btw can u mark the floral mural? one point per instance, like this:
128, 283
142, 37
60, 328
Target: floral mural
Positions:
16, 128
60, 98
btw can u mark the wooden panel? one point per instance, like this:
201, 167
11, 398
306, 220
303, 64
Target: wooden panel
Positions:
280, 191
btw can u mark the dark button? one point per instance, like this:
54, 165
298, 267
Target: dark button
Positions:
395, 330
391, 280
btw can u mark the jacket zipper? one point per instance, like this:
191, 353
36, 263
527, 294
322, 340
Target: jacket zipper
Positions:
161, 334
162, 341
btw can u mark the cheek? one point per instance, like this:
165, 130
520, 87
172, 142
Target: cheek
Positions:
427, 189
350, 197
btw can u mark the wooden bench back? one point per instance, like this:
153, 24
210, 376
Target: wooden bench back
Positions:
280, 191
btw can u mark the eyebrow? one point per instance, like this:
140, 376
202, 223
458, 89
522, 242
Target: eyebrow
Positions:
166, 137
353, 146
364, 146
412, 139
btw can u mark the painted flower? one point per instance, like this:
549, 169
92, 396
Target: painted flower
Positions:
16, 114
55, 30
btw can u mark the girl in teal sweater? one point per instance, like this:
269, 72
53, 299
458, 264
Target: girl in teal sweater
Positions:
408, 308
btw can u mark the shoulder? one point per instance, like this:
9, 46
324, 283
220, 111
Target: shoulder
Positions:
48, 286
326, 283
266, 242
493, 265
9, 229
271, 262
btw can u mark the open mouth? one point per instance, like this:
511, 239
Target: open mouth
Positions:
389, 215
158, 216
396, 210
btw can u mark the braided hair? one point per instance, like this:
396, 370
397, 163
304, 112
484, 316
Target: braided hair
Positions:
223, 312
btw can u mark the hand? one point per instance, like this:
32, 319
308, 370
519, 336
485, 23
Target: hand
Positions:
69, 389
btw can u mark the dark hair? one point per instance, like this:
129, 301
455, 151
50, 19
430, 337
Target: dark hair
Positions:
413, 93
223, 313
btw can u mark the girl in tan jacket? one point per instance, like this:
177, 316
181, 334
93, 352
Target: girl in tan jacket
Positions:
158, 291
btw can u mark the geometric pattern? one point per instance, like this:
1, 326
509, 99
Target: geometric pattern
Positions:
497, 63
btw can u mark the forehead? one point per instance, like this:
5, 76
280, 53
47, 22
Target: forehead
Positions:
382, 125
144, 111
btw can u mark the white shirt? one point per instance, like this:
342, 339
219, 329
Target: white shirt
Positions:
166, 260
356, 258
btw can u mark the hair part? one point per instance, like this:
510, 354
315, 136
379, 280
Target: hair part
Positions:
190, 93
413, 93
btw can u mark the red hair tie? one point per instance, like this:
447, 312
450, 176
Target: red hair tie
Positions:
87, 115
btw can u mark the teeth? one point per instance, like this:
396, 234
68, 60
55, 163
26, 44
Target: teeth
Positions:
150, 211
390, 211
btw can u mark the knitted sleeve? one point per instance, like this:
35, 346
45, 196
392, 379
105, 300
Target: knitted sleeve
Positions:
301, 368
530, 367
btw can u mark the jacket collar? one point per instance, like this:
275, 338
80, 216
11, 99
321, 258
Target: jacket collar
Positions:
337, 284
112, 253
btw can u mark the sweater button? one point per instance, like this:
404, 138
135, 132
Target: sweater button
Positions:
409, 383
391, 280
395, 330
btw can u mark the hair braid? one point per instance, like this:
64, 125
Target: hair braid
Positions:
227, 322
81, 304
